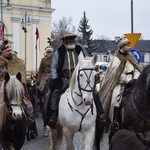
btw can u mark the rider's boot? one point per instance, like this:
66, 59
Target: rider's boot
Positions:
116, 124
46, 131
100, 121
54, 109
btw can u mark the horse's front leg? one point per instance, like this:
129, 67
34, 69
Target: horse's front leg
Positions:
52, 137
88, 137
69, 138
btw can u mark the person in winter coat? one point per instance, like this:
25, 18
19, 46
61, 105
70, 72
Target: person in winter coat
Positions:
122, 69
63, 64
13, 65
43, 77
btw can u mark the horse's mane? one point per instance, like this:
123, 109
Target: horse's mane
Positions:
15, 91
144, 78
73, 78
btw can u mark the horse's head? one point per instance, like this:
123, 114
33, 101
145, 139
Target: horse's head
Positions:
86, 77
143, 82
13, 95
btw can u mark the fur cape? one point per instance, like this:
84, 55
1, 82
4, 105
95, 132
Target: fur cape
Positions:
14, 66
114, 79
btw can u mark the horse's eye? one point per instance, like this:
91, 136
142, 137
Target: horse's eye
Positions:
81, 75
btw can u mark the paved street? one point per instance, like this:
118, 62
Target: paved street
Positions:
42, 143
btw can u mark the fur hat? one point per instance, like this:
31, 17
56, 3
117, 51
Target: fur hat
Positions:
122, 41
49, 49
5, 45
68, 36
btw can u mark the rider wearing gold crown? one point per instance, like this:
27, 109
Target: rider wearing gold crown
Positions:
63, 64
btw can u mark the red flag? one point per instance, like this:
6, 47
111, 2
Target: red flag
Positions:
2, 31
37, 38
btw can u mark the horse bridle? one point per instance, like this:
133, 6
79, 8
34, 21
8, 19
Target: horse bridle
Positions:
6, 100
84, 89
88, 83
88, 79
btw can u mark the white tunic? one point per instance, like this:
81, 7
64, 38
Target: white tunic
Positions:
128, 74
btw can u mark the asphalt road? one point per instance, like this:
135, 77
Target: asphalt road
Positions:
42, 143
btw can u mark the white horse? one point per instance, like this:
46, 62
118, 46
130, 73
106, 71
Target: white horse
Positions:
77, 110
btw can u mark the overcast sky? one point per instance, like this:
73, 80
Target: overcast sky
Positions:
106, 17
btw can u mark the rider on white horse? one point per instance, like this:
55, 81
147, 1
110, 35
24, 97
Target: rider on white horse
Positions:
63, 64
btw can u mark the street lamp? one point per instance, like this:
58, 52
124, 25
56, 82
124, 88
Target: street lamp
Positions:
131, 16
8, 7
25, 20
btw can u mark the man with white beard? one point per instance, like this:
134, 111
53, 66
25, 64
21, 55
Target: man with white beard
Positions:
63, 63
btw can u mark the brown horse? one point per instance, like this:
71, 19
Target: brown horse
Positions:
13, 123
126, 140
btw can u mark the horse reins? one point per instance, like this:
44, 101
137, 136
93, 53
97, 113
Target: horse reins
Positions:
82, 115
134, 105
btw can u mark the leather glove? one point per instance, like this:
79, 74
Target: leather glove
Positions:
132, 82
54, 83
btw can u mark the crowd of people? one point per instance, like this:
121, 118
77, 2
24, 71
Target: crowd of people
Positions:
55, 71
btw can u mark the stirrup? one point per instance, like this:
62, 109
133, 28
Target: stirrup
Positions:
114, 125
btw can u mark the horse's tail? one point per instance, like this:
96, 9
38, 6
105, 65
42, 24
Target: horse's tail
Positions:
59, 137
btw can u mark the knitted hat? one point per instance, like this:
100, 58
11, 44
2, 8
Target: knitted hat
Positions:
5, 46
122, 41
68, 36
49, 49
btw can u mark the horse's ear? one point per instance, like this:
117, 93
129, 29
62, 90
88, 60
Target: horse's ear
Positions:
6, 77
94, 59
18, 76
81, 57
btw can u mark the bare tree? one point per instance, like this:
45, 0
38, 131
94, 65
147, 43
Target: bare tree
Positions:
102, 37
62, 27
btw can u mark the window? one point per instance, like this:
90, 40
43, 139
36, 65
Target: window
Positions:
105, 58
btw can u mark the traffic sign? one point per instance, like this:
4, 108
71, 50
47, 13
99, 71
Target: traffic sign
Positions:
137, 55
133, 38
